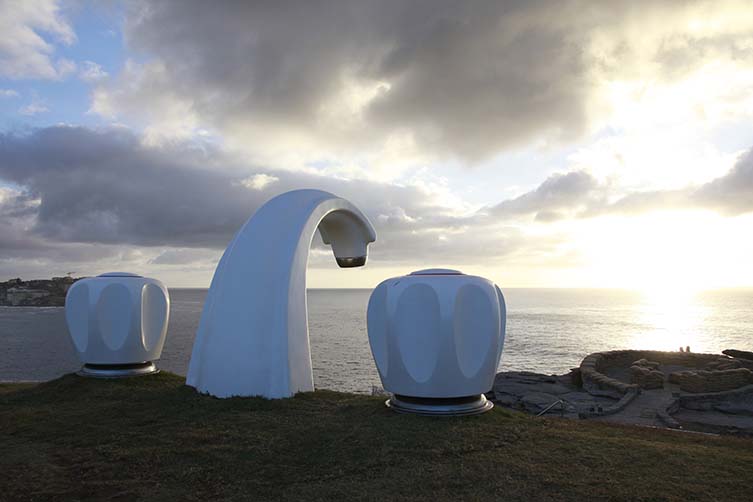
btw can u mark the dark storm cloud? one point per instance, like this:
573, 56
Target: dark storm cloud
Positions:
105, 187
466, 78
17, 213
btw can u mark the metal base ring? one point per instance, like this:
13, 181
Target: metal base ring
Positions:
118, 370
444, 407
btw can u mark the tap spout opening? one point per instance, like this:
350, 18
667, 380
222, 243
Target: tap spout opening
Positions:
351, 261
349, 234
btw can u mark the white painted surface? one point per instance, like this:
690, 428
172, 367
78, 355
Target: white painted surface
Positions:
253, 334
437, 333
117, 318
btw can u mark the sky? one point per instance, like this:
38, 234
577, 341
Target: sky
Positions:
539, 144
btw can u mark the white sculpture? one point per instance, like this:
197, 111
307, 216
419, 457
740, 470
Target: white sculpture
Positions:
118, 323
253, 334
437, 337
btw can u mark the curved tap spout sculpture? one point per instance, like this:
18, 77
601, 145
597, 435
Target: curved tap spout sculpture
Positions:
253, 334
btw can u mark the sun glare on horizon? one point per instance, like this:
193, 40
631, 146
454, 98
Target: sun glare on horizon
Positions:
664, 254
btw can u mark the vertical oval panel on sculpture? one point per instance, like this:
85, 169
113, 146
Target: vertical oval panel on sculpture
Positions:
77, 315
376, 318
502, 322
114, 315
253, 334
475, 328
417, 323
155, 312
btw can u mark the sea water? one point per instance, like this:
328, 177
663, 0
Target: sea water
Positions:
548, 331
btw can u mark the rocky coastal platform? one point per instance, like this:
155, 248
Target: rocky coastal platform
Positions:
35, 293
678, 390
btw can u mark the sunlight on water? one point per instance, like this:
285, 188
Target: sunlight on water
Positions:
672, 317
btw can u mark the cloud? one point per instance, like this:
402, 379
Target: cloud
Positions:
108, 187
103, 197
184, 256
92, 72
8, 93
357, 82
178, 205
65, 67
347, 75
578, 194
143, 94
33, 109
732, 193
18, 211
36, 107
259, 181
25, 52
559, 196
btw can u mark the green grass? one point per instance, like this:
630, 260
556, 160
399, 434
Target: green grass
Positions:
152, 437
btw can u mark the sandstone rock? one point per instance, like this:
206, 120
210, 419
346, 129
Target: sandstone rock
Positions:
532, 392
520, 383
728, 365
645, 363
580, 399
648, 413
536, 402
508, 400
723, 363
575, 377
646, 378
737, 401
677, 377
703, 381
741, 354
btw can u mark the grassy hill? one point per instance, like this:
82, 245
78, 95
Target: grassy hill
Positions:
74, 438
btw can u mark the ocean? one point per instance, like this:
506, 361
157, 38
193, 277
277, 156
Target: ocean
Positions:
548, 331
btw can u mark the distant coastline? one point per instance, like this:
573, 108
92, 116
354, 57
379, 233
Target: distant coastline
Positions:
35, 293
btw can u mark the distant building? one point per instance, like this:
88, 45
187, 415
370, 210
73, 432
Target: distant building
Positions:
36, 292
18, 296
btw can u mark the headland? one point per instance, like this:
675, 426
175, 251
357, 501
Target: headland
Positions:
36, 292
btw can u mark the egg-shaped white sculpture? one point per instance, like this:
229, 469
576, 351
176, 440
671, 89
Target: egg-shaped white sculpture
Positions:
117, 323
437, 337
